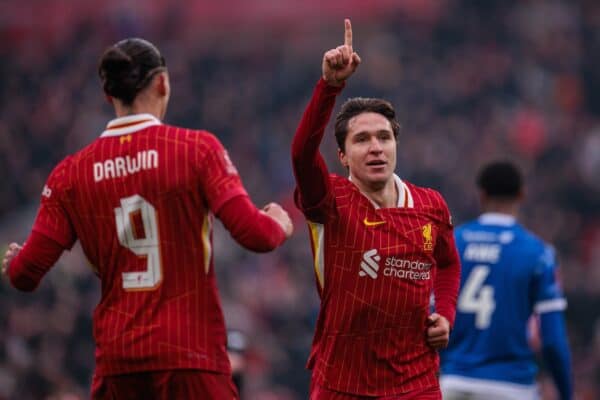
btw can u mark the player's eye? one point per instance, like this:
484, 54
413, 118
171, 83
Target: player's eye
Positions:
361, 138
384, 136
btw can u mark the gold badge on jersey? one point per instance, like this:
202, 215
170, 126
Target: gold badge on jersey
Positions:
124, 139
427, 238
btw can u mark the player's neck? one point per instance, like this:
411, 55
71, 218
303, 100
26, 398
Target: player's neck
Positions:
139, 106
501, 205
385, 196
511, 209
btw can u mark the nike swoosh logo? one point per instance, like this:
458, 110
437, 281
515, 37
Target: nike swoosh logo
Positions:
372, 223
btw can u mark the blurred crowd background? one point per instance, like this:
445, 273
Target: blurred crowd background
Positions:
471, 81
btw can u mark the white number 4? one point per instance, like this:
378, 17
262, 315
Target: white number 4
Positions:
478, 298
137, 228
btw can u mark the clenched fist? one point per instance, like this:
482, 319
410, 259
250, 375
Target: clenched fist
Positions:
281, 216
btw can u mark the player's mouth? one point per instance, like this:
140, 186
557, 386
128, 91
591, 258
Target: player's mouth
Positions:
376, 163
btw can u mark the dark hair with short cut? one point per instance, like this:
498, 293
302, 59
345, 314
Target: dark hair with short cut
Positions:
358, 105
500, 179
128, 66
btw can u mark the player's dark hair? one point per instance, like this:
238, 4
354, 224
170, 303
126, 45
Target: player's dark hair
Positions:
358, 105
500, 179
128, 66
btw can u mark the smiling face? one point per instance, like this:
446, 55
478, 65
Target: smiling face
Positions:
369, 150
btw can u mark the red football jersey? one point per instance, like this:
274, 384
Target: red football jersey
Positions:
140, 199
376, 269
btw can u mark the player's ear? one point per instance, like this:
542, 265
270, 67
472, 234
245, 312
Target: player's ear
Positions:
343, 158
162, 84
108, 99
483, 198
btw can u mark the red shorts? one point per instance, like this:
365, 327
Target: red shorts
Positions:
320, 393
165, 385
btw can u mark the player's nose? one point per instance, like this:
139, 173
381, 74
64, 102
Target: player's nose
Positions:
375, 145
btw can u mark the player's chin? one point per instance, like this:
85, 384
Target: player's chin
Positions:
378, 178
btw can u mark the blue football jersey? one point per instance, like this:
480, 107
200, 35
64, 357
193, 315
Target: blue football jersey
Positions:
507, 275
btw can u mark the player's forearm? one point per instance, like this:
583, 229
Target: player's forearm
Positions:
445, 287
447, 278
38, 255
249, 226
309, 167
556, 352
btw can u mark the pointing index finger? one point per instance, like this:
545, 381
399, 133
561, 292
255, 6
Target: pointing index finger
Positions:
347, 33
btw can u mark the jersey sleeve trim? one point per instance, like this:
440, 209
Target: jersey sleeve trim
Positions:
550, 306
317, 240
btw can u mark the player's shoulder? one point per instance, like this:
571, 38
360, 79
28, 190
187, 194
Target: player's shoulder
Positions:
425, 197
60, 176
64, 165
536, 244
341, 181
466, 226
197, 137
422, 191
473, 231
527, 237
342, 186
181, 133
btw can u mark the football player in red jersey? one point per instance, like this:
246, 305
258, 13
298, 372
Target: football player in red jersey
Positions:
141, 200
381, 247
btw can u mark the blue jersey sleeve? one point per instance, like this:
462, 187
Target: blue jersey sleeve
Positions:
555, 349
547, 294
549, 303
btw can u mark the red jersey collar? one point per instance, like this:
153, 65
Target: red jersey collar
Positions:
405, 199
129, 124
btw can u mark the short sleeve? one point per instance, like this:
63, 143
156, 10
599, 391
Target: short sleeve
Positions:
52, 219
219, 177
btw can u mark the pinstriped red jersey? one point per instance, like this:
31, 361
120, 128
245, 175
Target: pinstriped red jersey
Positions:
140, 199
376, 269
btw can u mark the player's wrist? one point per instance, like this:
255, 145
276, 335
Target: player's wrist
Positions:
332, 81
332, 84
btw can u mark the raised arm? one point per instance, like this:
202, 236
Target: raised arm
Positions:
309, 167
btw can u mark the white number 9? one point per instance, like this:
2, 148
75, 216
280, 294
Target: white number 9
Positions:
137, 228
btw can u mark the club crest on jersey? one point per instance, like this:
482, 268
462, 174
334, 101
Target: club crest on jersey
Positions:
427, 237
126, 138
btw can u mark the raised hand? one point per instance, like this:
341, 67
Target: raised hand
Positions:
341, 62
11, 252
281, 216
